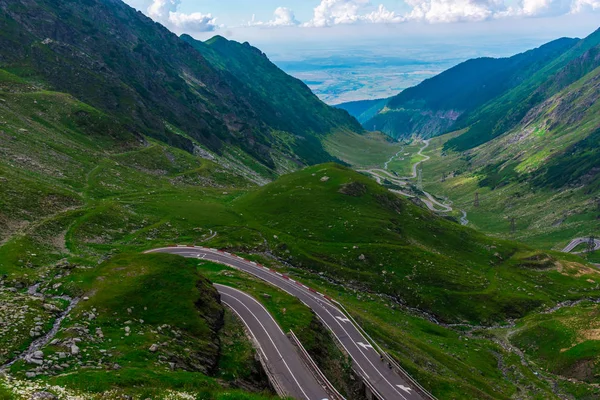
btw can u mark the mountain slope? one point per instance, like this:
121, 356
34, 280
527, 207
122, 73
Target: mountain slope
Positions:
124, 64
85, 197
544, 173
505, 112
556, 144
364, 236
363, 110
434, 106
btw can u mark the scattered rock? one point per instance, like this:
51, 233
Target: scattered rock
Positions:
154, 348
43, 396
74, 349
362, 257
324, 179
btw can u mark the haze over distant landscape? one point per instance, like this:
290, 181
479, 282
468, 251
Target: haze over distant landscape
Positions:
369, 70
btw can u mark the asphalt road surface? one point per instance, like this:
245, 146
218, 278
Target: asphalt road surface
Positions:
576, 242
386, 383
277, 350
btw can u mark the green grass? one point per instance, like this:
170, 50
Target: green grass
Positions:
565, 342
415, 257
136, 301
370, 150
544, 218
5, 394
403, 164
87, 199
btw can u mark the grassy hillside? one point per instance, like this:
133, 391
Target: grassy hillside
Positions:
115, 59
544, 173
121, 197
506, 112
364, 236
368, 150
148, 326
84, 193
70, 176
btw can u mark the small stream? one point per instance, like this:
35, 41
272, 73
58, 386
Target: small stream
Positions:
385, 166
463, 220
42, 341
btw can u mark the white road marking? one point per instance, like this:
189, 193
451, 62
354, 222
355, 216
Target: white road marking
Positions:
345, 331
252, 333
273, 343
364, 345
342, 318
405, 388
366, 358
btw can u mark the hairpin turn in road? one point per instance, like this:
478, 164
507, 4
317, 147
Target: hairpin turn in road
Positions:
381, 377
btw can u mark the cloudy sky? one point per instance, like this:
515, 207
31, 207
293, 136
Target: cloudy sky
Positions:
273, 19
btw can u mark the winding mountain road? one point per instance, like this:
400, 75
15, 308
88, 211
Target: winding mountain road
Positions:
431, 202
386, 382
293, 376
576, 242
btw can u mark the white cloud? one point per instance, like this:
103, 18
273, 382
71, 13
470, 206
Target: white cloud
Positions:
282, 16
582, 5
166, 12
383, 16
437, 11
342, 12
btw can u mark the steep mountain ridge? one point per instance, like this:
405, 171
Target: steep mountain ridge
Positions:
286, 103
128, 66
435, 105
555, 145
505, 112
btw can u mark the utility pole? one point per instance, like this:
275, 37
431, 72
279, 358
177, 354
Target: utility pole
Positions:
591, 245
476, 203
